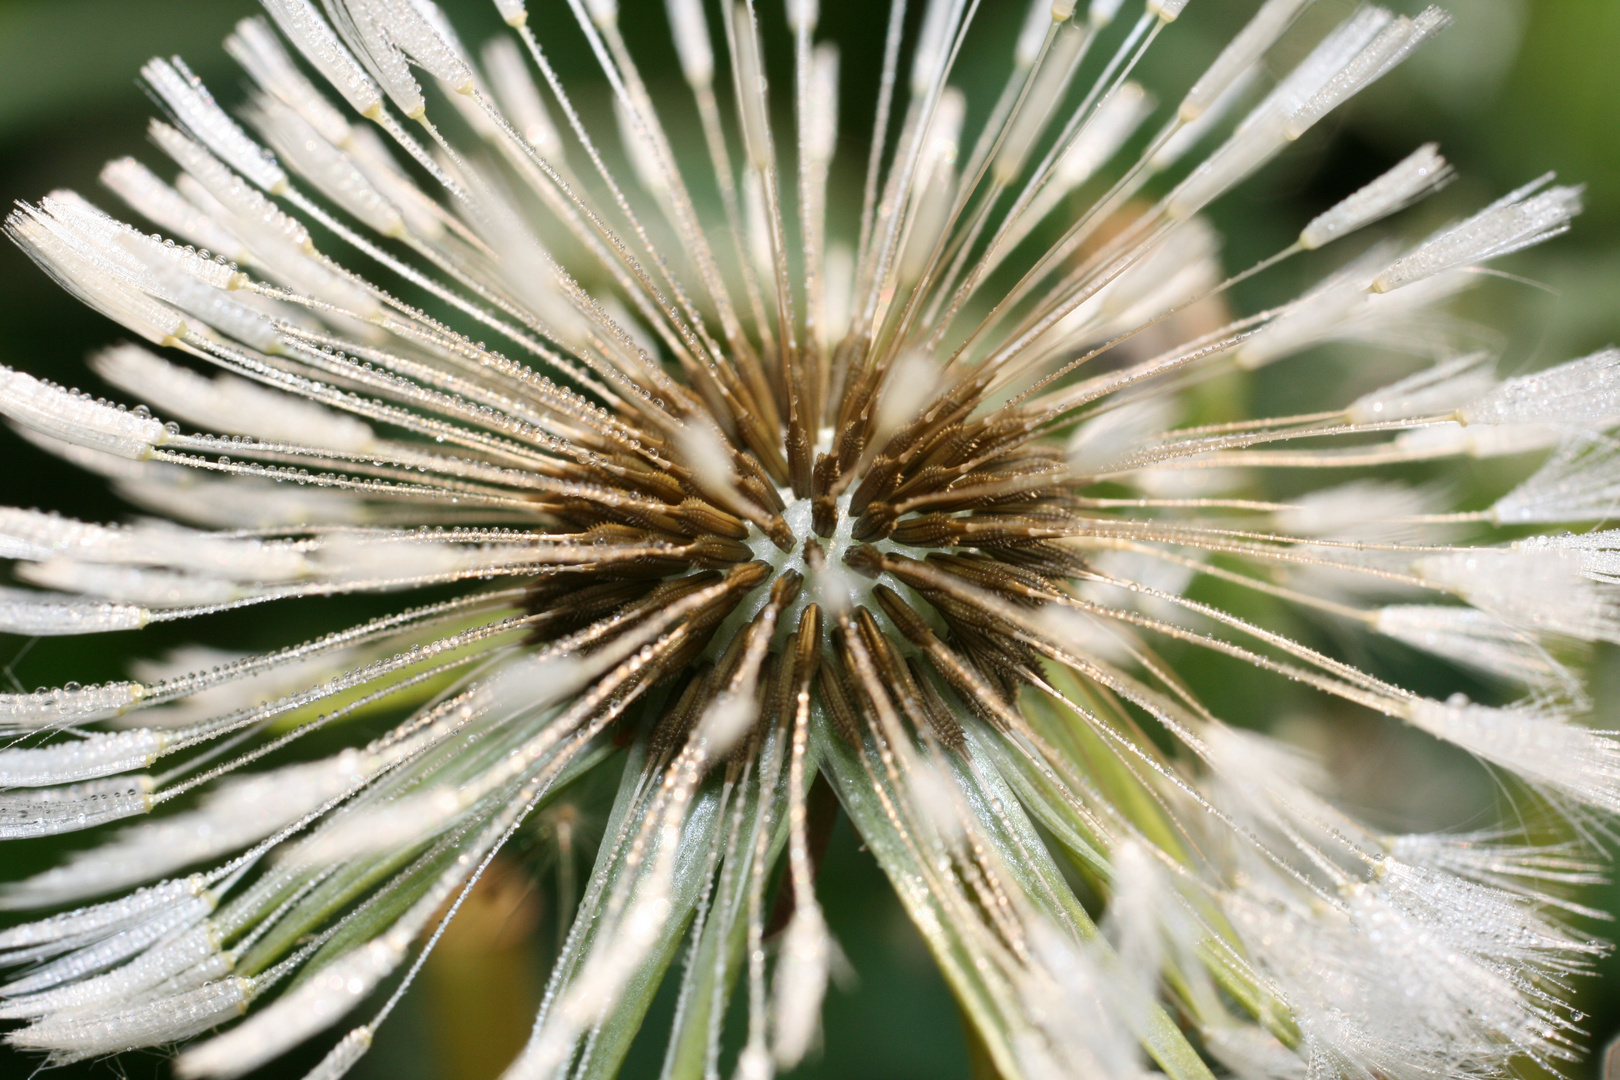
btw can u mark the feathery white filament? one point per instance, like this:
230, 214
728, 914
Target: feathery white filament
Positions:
1395, 43
1431, 391
51, 615
1240, 55
296, 1015
690, 29
49, 708
1540, 744
255, 46
1580, 393
314, 38
332, 171
1518, 220
166, 1020
1476, 640
1415, 176
114, 944
1368, 510
349, 1050
1045, 92
102, 919
1580, 481
509, 75
96, 755
164, 960
162, 205
1270, 126
1166, 10
1539, 589
194, 107
1037, 24
752, 90
49, 811
229, 404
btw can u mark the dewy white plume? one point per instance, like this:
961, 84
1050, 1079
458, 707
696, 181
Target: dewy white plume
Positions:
1342, 309
194, 107
1420, 173
1430, 392
255, 46
1117, 118
803, 15
53, 707
690, 29
162, 205
1072, 1002
95, 755
35, 536
1536, 589
1583, 393
35, 614
1264, 782
239, 812
1476, 640
1580, 481
313, 37
1518, 220
706, 452
262, 221
509, 74
48, 811
131, 585
1114, 122
1369, 510
1239, 56
1376, 988
1045, 92
802, 967
93, 279
299, 1013
1037, 24
1541, 744
1392, 45
1106, 440
167, 1020
172, 956
933, 44
1269, 127
640, 149
821, 128
1595, 555
344, 1056
329, 169
66, 930
231, 405
909, 390
753, 92
1250, 1052
1541, 873
1148, 930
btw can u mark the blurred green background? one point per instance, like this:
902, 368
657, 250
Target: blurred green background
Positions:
1515, 88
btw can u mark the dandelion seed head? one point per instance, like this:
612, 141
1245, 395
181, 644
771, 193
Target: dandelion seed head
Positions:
739, 497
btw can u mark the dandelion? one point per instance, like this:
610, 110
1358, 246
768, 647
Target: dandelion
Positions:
731, 505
